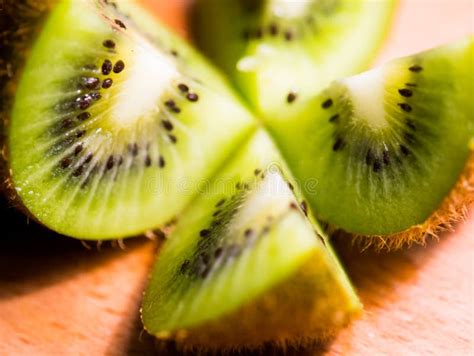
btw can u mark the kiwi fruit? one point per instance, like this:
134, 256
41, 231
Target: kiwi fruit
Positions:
389, 145
281, 52
247, 265
110, 120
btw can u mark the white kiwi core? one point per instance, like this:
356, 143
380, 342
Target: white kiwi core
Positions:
366, 92
149, 75
289, 8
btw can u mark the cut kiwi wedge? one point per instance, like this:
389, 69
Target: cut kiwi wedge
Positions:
388, 145
281, 52
246, 265
110, 129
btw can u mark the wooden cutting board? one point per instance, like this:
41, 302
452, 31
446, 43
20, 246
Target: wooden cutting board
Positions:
59, 298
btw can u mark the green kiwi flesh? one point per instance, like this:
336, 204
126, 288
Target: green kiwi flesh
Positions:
388, 145
281, 52
246, 266
111, 129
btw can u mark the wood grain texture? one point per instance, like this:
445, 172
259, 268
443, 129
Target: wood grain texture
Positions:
59, 298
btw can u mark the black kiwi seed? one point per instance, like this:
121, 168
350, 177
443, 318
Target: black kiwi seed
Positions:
258, 33
170, 103
78, 149
416, 68
405, 107
167, 125
106, 67
176, 110
377, 166
334, 118
83, 116
291, 186
404, 150
66, 123
204, 233
174, 53
78, 171
220, 202
107, 83
119, 66
183, 88
192, 97
304, 207
66, 162
273, 29
248, 233
327, 104
218, 252
148, 161
109, 44
256, 172
410, 124
110, 163
204, 257
293, 206
161, 162
90, 82
120, 24
246, 34
88, 158
173, 138
291, 97
80, 133
339, 144
83, 102
405, 92
95, 96
120, 161
288, 35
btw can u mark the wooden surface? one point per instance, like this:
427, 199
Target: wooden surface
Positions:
59, 298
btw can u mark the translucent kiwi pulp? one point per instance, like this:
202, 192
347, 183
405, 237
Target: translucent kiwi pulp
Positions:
388, 145
281, 52
111, 129
246, 266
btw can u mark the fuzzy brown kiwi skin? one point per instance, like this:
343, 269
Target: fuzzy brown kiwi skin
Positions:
21, 23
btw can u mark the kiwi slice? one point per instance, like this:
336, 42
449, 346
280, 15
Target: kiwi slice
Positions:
246, 265
388, 145
110, 129
280, 52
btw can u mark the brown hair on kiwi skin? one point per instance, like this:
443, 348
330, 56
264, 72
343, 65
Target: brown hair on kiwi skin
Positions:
21, 22
454, 209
